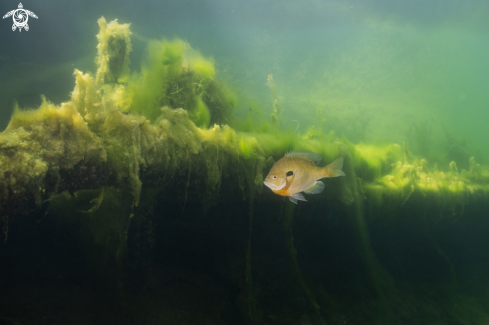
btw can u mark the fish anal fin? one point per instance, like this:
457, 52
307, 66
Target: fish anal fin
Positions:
297, 197
316, 188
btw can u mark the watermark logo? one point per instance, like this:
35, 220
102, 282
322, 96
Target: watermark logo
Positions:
20, 17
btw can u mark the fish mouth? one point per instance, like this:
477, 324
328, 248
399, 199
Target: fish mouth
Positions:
273, 186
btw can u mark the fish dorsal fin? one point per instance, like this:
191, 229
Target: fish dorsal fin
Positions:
311, 156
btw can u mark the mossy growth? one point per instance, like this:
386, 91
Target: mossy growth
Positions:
202, 115
177, 76
371, 162
203, 67
114, 46
174, 75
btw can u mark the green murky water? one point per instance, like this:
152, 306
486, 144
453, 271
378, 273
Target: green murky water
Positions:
132, 193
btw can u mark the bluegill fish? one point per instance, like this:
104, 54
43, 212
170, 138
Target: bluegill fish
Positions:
296, 172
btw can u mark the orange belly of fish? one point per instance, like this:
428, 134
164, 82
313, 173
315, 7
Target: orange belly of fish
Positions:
283, 191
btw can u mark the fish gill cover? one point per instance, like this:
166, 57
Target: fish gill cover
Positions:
125, 133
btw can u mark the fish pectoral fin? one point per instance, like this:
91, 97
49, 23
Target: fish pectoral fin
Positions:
297, 197
316, 188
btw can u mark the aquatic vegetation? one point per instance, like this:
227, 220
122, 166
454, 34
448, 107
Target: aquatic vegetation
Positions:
177, 76
203, 67
124, 134
173, 75
202, 114
374, 161
114, 46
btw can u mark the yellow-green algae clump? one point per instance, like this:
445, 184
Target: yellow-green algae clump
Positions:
114, 46
176, 76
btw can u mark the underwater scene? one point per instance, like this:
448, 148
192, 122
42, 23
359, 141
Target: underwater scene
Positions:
244, 162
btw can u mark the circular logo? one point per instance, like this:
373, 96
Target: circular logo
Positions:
20, 18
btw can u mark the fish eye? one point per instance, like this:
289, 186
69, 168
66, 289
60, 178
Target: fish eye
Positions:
290, 173
274, 176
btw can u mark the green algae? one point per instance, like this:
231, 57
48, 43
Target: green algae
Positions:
177, 76
202, 115
114, 46
172, 117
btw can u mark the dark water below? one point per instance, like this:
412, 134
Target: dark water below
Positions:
308, 264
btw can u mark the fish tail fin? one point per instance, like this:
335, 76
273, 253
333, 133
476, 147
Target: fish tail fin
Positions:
334, 169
